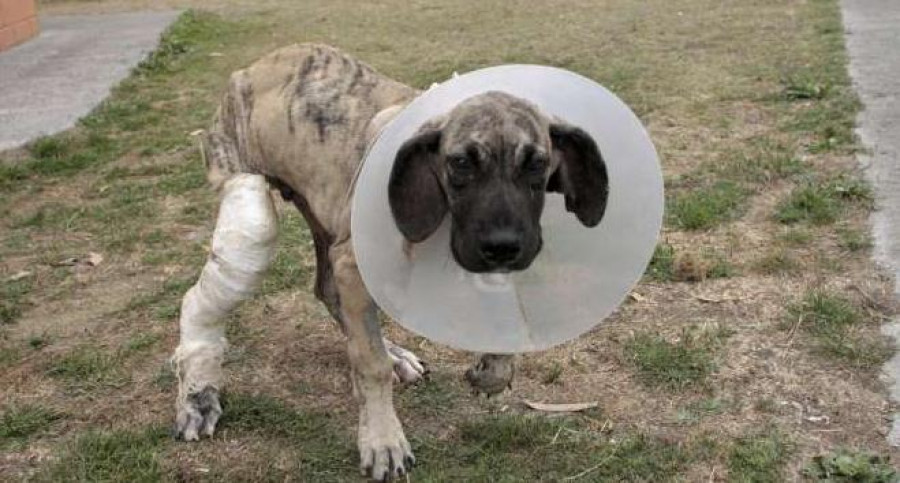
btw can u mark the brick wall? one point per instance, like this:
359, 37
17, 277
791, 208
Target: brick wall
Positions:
18, 22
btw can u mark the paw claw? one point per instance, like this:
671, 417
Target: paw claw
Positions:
408, 368
384, 452
198, 415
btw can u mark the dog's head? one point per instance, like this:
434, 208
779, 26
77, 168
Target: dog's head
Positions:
488, 163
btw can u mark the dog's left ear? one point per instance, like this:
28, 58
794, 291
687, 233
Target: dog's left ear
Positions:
581, 175
417, 199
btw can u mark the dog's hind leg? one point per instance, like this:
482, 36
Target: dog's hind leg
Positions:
408, 368
383, 448
242, 247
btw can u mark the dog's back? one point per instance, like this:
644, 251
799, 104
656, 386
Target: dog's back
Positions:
301, 116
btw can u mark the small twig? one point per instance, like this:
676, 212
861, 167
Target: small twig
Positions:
553, 441
587, 471
794, 330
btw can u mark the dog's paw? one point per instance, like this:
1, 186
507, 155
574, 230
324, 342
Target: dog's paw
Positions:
492, 374
383, 450
408, 368
198, 414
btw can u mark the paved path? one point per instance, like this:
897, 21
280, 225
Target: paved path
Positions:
48, 83
873, 41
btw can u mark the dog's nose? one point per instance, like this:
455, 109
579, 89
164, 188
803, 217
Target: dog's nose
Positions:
501, 246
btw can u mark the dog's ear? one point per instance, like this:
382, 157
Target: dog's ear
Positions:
417, 199
581, 174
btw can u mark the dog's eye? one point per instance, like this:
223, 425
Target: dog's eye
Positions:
460, 164
535, 164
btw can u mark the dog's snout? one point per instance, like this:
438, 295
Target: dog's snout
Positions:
501, 246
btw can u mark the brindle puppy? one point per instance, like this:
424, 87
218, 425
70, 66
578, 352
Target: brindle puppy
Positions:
301, 119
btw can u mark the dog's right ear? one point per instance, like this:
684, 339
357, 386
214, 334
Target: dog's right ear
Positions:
417, 199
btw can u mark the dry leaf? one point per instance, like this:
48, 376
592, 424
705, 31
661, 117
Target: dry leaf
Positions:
637, 297
561, 408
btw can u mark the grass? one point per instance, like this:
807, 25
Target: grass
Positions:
689, 266
758, 458
778, 262
845, 465
704, 208
18, 423
120, 455
822, 203
834, 322
530, 448
672, 365
13, 299
733, 131
853, 240
88, 368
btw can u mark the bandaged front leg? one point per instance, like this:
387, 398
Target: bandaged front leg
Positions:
242, 248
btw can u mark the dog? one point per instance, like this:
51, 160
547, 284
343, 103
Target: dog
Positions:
299, 121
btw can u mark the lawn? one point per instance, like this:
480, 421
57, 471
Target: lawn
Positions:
750, 351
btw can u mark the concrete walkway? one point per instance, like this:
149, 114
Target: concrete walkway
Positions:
48, 83
873, 42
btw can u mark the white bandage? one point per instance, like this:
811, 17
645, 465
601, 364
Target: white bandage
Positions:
242, 248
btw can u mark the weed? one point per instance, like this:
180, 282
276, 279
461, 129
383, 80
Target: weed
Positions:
851, 466
804, 88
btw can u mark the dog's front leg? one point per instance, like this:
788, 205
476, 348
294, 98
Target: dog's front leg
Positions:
384, 451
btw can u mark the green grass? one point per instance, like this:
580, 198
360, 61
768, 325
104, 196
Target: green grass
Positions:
697, 410
121, 455
516, 447
18, 423
758, 458
88, 368
760, 161
704, 208
662, 265
834, 322
289, 271
13, 300
853, 240
795, 236
822, 203
672, 365
326, 452
851, 466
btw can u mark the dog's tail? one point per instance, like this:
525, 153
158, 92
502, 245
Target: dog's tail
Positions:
225, 146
